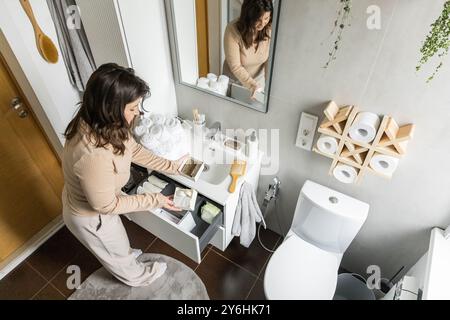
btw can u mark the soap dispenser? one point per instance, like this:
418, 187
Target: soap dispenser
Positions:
251, 146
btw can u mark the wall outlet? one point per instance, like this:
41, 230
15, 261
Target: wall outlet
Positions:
307, 131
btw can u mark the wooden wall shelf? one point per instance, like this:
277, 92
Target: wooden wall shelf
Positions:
391, 140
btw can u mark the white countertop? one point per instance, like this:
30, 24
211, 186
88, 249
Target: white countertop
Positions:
218, 193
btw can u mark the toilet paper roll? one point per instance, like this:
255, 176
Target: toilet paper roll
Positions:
384, 164
345, 173
327, 144
365, 127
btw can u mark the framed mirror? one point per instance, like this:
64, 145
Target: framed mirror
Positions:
225, 47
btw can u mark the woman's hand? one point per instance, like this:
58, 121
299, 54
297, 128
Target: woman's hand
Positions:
169, 205
255, 90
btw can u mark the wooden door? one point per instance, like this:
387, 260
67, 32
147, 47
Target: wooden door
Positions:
201, 9
31, 179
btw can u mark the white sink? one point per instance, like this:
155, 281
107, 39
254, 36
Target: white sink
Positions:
217, 164
216, 174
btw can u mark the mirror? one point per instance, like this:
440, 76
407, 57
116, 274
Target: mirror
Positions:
225, 47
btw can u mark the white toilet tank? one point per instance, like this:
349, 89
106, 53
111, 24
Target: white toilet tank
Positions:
328, 219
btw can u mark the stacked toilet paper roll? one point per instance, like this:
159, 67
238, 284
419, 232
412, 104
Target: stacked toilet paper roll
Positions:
384, 164
327, 144
365, 127
345, 173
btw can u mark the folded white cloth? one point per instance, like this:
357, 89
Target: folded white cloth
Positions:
150, 188
247, 215
157, 182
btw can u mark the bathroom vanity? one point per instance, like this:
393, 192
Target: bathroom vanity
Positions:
193, 236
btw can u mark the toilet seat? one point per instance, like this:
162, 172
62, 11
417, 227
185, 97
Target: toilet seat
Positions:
300, 271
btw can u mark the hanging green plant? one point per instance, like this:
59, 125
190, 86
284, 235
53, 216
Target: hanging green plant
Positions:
437, 41
342, 20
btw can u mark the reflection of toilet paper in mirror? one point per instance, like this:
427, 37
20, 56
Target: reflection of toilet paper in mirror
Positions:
211, 77
365, 127
384, 164
327, 144
345, 173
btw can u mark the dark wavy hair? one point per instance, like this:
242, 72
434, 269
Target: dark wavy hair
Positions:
251, 11
108, 91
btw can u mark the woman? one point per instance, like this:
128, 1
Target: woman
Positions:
247, 45
96, 164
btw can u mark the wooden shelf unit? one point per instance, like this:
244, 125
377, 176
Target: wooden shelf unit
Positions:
391, 140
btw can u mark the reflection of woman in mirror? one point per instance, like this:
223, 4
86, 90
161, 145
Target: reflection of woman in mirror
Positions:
247, 45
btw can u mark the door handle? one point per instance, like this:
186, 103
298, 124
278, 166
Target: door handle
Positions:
16, 104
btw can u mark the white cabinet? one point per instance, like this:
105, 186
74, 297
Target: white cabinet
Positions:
193, 242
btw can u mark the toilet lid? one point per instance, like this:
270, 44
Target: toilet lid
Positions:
300, 271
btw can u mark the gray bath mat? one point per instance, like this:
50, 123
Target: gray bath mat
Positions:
179, 282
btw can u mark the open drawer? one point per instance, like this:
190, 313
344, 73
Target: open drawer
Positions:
190, 234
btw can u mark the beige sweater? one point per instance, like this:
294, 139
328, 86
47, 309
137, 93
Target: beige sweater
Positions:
94, 178
244, 64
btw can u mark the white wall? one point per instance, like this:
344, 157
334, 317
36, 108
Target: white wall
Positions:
145, 27
50, 82
376, 71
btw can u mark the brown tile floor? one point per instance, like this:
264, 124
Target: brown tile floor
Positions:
232, 275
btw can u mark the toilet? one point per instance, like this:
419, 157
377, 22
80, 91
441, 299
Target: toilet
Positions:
305, 266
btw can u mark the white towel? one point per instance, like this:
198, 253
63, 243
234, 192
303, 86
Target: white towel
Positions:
140, 131
157, 182
150, 188
145, 122
158, 119
247, 215
149, 142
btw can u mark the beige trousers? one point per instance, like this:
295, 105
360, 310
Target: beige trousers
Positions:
109, 242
